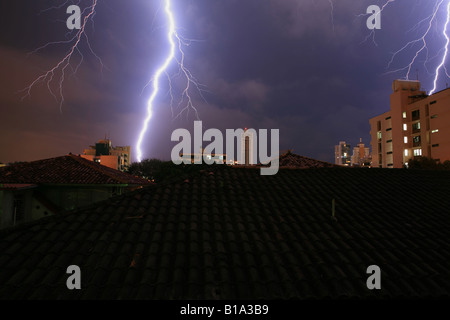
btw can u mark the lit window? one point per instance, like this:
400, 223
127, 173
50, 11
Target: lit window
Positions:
404, 115
435, 130
379, 135
406, 152
405, 139
405, 127
417, 152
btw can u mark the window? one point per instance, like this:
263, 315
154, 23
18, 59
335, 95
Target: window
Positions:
434, 116
404, 115
433, 102
379, 135
415, 114
388, 118
416, 141
405, 127
416, 127
388, 129
390, 152
379, 147
406, 152
390, 165
417, 152
379, 125
390, 140
405, 139
435, 145
435, 130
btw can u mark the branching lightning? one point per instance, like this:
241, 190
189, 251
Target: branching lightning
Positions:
176, 42
61, 67
441, 65
422, 41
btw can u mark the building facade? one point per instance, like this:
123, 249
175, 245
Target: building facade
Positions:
103, 152
342, 154
361, 155
417, 125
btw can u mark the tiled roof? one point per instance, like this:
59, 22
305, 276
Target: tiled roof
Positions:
234, 234
69, 169
292, 160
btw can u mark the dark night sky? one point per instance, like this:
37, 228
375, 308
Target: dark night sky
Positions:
269, 64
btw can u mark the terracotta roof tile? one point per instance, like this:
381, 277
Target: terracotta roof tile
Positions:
70, 169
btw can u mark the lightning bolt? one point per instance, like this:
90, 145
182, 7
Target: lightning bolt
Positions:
176, 43
422, 42
60, 68
441, 65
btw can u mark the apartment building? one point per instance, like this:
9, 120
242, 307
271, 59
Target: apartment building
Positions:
417, 125
103, 152
342, 154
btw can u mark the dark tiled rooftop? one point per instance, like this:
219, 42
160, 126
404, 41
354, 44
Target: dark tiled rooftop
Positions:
235, 234
292, 160
70, 169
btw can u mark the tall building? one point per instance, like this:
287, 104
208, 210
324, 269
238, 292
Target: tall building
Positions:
103, 152
417, 125
248, 147
361, 155
342, 154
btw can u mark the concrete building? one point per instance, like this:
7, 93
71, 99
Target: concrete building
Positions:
103, 152
342, 154
417, 125
361, 155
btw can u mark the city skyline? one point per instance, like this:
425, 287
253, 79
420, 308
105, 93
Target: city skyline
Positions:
309, 69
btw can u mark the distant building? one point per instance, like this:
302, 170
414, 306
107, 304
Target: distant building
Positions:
342, 154
199, 157
417, 125
361, 155
118, 158
32, 190
248, 147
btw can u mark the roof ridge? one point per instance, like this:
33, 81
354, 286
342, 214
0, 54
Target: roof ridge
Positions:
116, 175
